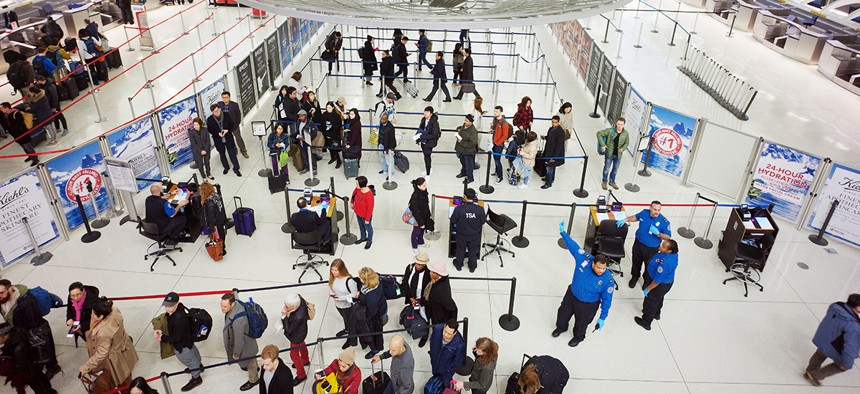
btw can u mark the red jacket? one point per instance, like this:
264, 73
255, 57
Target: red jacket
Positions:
362, 204
501, 131
352, 382
524, 116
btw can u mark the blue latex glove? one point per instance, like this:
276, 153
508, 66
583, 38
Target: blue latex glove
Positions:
653, 230
620, 223
646, 292
599, 324
561, 227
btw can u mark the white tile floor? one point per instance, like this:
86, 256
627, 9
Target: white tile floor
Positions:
711, 339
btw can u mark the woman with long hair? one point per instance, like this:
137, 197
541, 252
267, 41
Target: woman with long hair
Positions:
140, 386
79, 308
543, 375
201, 147
311, 105
295, 81
419, 204
280, 110
111, 351
457, 62
342, 288
332, 126
373, 298
524, 117
214, 215
486, 353
565, 114
352, 139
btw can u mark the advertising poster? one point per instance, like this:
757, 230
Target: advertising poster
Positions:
72, 173
304, 28
671, 135
175, 121
284, 44
211, 95
272, 57
585, 44
782, 178
21, 197
843, 185
594, 70
634, 114
295, 35
136, 143
247, 95
261, 70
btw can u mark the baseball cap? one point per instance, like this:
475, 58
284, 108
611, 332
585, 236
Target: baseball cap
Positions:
170, 299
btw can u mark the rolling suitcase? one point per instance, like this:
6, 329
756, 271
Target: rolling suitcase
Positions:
512, 386
410, 88
350, 168
71, 87
82, 81
277, 183
377, 381
243, 218
540, 165
401, 162
114, 59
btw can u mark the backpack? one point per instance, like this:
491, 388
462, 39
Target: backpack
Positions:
54, 56
414, 323
429, 46
45, 300
28, 119
362, 53
257, 320
201, 323
390, 287
43, 66
92, 47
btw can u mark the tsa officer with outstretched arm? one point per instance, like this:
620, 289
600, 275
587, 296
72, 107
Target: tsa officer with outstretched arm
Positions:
653, 229
592, 287
661, 268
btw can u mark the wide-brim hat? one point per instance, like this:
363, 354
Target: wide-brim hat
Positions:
438, 267
422, 258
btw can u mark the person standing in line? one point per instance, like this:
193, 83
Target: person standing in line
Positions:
464, 37
401, 59
110, 349
276, 377
525, 161
457, 62
232, 108
20, 309
387, 76
352, 145
362, 205
422, 44
468, 220
127, 14
662, 272
292, 106
214, 215
524, 117
554, 150
419, 205
13, 123
612, 142
304, 133
38, 105
19, 366
414, 283
20, 74
440, 78
219, 125
466, 148
344, 372
592, 287
295, 81
447, 350
486, 353
333, 132
311, 105
427, 136
181, 338
278, 142
402, 366
342, 286
653, 229
501, 131
837, 338
79, 307
437, 297
237, 343
50, 89
333, 43
294, 318
387, 143
280, 100
201, 145
565, 114
467, 78
373, 299
368, 60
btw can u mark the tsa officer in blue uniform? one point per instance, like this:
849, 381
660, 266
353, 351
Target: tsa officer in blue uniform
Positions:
653, 229
468, 219
662, 270
592, 287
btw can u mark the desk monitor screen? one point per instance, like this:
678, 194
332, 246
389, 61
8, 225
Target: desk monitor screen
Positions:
325, 199
457, 200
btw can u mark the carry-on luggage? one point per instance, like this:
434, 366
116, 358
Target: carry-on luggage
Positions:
512, 386
71, 87
410, 88
243, 218
401, 162
113, 59
215, 246
350, 168
82, 81
540, 165
277, 183
296, 156
434, 386
377, 381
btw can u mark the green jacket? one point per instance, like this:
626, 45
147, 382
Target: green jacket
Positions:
160, 323
606, 137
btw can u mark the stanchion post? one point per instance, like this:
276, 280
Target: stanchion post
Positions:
131, 106
687, 232
125, 30
338, 214
645, 171
264, 172
39, 258
509, 321
732, 26
581, 192
287, 227
312, 181
657, 17
817, 239
91, 235
486, 188
639, 39
99, 221
182, 21
594, 113
695, 23
521, 241
165, 381
704, 242
606, 33
389, 183
349, 238
674, 29
214, 28
560, 242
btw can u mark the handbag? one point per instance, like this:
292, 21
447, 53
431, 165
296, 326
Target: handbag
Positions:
284, 158
374, 137
215, 246
407, 217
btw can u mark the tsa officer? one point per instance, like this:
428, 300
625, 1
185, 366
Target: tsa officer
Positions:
653, 229
661, 268
592, 287
468, 219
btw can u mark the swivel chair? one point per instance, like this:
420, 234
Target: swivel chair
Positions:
309, 243
752, 258
159, 248
610, 243
501, 224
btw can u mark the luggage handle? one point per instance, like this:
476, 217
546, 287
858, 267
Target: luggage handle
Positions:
276, 170
238, 202
526, 357
373, 371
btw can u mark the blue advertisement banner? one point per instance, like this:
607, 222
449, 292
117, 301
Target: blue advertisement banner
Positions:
672, 134
842, 185
72, 173
23, 197
295, 35
305, 26
782, 177
284, 44
174, 122
136, 143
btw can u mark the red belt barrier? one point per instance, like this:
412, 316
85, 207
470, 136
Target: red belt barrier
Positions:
123, 388
154, 296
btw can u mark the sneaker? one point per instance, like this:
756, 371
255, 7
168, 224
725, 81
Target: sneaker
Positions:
194, 382
614, 185
65, 133
522, 186
53, 142
603, 185
498, 180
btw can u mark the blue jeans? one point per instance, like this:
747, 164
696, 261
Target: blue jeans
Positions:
365, 229
467, 165
550, 175
522, 169
610, 161
422, 59
498, 160
383, 158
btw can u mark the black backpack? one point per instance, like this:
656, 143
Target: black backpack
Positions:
201, 323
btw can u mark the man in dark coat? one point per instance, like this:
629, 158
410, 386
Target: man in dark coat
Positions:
292, 106
276, 377
231, 108
447, 349
294, 317
369, 62
181, 337
400, 58
220, 125
437, 300
467, 78
466, 148
307, 221
837, 338
13, 122
553, 149
386, 73
440, 78
18, 363
20, 74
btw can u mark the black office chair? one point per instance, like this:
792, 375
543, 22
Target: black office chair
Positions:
610, 243
150, 230
308, 243
501, 224
752, 258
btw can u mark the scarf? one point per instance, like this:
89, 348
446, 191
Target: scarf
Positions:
365, 289
79, 305
416, 281
429, 287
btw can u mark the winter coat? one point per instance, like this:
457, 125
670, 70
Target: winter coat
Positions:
566, 121
21, 74
40, 108
501, 131
362, 204
458, 59
179, 328
92, 294
274, 139
386, 67
317, 116
468, 144
606, 138
351, 383
399, 53
524, 116
840, 321
468, 74
554, 146
553, 374
370, 63
419, 204
416, 292
529, 152
440, 305
354, 135
110, 348
332, 126
375, 301
215, 130
23, 357
401, 371
445, 359
282, 380
50, 90
481, 377
200, 141
291, 109
14, 124
235, 336
232, 109
213, 212
296, 324
160, 323
430, 137
439, 71
387, 136
24, 312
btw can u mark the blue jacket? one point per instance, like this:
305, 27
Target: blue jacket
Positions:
375, 301
423, 41
445, 360
839, 321
586, 286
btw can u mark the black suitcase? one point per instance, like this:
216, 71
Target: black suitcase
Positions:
401, 162
377, 381
277, 183
62, 92
540, 165
82, 81
114, 59
512, 386
101, 73
71, 87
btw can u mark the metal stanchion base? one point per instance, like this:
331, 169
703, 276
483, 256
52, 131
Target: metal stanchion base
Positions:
561, 243
637, 46
99, 223
703, 243
655, 31
509, 322
818, 241
389, 185
193, 165
594, 115
90, 237
520, 242
264, 173
632, 187
339, 215
125, 219
101, 120
312, 182
686, 233
644, 173
432, 236
348, 239
486, 189
230, 224
581, 193
288, 228
41, 259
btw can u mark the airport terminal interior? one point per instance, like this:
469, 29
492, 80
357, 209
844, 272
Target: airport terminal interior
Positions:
753, 99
